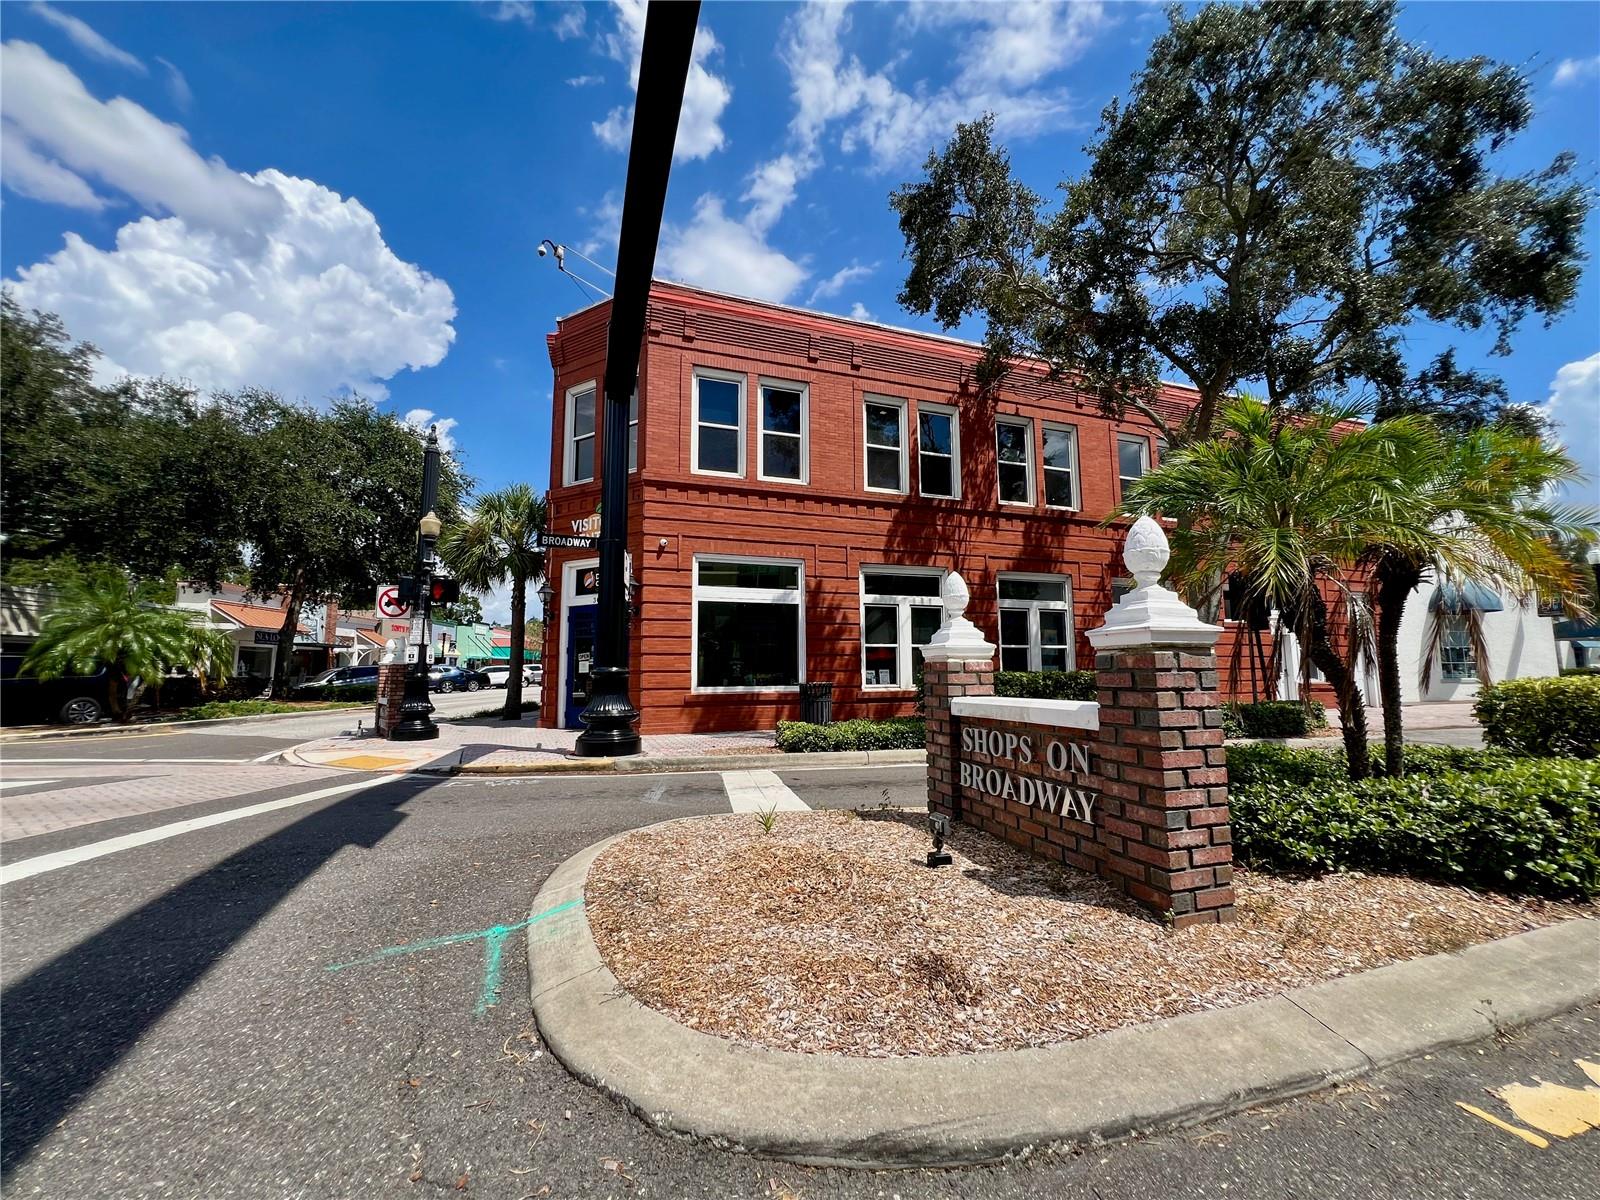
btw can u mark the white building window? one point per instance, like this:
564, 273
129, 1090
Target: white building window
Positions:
1060, 466
1457, 659
1013, 445
749, 630
1133, 458
578, 462
782, 451
900, 613
633, 430
938, 451
1035, 623
886, 444
718, 423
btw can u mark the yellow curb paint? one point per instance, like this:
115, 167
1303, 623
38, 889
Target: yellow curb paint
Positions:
367, 762
1533, 1139
1592, 1070
1553, 1108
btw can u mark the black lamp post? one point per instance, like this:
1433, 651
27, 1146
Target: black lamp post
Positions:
416, 710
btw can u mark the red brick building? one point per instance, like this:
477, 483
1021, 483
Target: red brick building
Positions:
799, 484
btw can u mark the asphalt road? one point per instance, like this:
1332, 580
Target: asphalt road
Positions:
282, 1005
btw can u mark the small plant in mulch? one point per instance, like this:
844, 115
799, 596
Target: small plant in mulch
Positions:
767, 818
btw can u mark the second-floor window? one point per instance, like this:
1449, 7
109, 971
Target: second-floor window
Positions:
938, 451
886, 445
1013, 445
783, 432
579, 459
1060, 466
718, 423
1133, 458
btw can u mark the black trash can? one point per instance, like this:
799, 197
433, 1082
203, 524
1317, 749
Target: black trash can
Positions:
816, 703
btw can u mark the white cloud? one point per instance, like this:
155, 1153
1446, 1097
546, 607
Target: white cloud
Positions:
569, 24
177, 85
772, 188
859, 311
87, 40
716, 251
585, 80
420, 418
1017, 43
496, 603
1576, 70
705, 95
30, 174
1574, 407
262, 279
839, 280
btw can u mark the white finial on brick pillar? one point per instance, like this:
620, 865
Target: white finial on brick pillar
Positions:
958, 639
1150, 615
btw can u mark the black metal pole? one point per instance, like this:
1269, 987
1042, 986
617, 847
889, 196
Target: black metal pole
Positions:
416, 709
663, 70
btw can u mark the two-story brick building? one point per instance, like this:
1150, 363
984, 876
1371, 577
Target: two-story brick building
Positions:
799, 484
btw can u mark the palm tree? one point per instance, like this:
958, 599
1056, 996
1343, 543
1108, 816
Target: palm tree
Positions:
1485, 498
1291, 502
108, 620
499, 540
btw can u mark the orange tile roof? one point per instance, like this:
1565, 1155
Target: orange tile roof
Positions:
371, 637
253, 616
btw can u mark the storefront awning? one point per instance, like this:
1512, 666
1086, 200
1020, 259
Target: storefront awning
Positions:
1587, 644
1457, 598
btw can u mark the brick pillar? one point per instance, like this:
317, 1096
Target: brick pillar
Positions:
1165, 815
391, 691
957, 662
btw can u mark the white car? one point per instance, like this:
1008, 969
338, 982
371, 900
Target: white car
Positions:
533, 673
498, 676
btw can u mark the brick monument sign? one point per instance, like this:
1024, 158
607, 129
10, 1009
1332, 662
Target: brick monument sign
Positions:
1132, 786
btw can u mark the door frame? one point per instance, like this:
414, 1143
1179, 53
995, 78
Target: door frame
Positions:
570, 599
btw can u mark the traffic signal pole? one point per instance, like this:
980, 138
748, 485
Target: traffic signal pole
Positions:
663, 69
416, 710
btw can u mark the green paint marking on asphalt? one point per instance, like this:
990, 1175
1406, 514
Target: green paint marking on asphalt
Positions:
494, 944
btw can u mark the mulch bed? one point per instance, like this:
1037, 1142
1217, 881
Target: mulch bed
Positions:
828, 935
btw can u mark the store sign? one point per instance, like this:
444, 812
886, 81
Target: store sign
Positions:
585, 535
1016, 750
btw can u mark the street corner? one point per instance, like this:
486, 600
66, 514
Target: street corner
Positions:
371, 754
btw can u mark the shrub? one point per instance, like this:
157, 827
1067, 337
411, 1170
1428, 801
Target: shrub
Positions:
1558, 716
899, 733
1267, 762
1527, 825
1045, 685
1273, 718
217, 709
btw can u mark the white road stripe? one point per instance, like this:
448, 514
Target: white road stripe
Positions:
29, 867
16, 783
760, 791
268, 757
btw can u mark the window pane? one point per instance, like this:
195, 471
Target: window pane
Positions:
1057, 447
719, 449
882, 666
749, 574
881, 627
748, 645
1013, 483
883, 425
1130, 457
1012, 588
1011, 442
899, 583
583, 413
924, 623
719, 401
780, 410
781, 456
633, 447
1013, 658
1052, 628
1058, 488
935, 427
936, 476
583, 459
1013, 627
1053, 658
883, 469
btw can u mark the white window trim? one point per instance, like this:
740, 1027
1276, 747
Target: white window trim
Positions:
1026, 423
569, 460
694, 420
955, 450
1123, 480
903, 606
905, 441
1044, 469
633, 431
739, 595
791, 385
1033, 608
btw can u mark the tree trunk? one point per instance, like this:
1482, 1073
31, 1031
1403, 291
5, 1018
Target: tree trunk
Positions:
1395, 578
1352, 709
285, 655
519, 606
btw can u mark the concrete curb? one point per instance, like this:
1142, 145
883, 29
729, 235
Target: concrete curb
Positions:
646, 766
831, 1110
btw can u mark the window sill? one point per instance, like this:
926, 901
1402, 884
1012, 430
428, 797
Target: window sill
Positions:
779, 690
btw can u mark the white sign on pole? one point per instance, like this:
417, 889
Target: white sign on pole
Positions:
413, 653
417, 634
390, 602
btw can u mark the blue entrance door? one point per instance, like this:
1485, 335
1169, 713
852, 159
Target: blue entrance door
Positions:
580, 661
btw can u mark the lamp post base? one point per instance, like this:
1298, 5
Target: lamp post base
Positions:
609, 719
415, 722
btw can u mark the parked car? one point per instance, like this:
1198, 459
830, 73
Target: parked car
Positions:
73, 700
498, 676
341, 677
454, 679
533, 673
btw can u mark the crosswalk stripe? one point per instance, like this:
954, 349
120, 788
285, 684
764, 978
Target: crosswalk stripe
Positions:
760, 791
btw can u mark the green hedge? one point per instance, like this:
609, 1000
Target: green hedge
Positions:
1267, 762
899, 733
1524, 825
1045, 685
1558, 716
1273, 718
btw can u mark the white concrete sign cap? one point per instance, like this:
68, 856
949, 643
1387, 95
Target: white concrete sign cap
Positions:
1151, 615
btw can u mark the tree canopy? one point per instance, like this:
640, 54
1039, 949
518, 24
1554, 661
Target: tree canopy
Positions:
1286, 189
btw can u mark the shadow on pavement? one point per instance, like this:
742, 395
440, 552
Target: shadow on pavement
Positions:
69, 1022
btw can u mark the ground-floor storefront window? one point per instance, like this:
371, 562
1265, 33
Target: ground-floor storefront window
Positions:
748, 624
1035, 623
900, 613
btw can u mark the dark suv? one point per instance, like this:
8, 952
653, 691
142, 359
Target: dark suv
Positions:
454, 679
342, 677
74, 700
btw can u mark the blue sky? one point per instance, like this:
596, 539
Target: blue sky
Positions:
318, 197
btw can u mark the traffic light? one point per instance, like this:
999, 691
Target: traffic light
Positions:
444, 591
